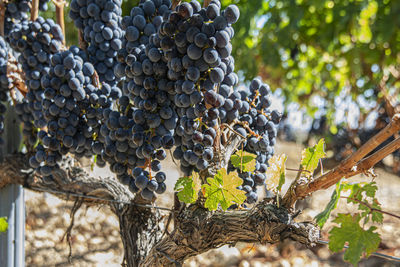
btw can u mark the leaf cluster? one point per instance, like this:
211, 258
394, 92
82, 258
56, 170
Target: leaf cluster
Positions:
361, 240
318, 47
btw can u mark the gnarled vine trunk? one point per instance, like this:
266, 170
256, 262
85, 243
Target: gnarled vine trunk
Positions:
140, 231
198, 230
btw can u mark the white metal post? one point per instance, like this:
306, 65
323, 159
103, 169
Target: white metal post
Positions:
12, 202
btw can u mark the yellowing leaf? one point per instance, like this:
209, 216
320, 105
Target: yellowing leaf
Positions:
310, 157
244, 161
276, 172
3, 224
188, 188
222, 189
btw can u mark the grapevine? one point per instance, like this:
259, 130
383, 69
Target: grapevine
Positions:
162, 81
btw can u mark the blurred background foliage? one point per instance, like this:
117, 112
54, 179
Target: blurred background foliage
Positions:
324, 49
314, 49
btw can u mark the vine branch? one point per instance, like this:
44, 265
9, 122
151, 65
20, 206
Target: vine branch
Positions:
70, 178
351, 166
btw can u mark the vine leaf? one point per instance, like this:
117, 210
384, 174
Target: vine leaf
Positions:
360, 241
310, 157
188, 188
3, 224
244, 161
363, 194
322, 217
222, 189
276, 173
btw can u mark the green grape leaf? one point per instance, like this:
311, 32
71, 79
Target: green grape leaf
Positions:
276, 173
363, 195
244, 161
222, 189
360, 241
3, 224
322, 217
310, 157
370, 189
188, 188
376, 215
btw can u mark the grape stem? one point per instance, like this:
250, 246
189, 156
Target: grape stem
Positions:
206, 3
245, 125
82, 43
60, 15
175, 3
34, 10
2, 16
357, 163
230, 128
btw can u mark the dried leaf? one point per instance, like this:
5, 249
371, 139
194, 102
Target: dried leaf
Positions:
276, 173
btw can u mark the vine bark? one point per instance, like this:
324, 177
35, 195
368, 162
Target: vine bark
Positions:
196, 229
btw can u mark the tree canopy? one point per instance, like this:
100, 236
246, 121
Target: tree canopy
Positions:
321, 48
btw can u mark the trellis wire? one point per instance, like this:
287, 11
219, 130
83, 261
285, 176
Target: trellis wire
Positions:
99, 198
377, 254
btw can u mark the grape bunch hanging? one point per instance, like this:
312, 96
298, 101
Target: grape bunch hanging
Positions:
161, 79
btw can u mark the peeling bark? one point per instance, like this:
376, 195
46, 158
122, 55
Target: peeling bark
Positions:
198, 230
69, 179
140, 230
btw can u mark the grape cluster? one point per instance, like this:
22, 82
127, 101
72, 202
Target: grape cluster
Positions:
4, 84
259, 125
124, 152
99, 21
178, 85
16, 12
146, 81
72, 108
37, 41
196, 44
143, 22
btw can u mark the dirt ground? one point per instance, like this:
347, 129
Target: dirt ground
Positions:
95, 237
